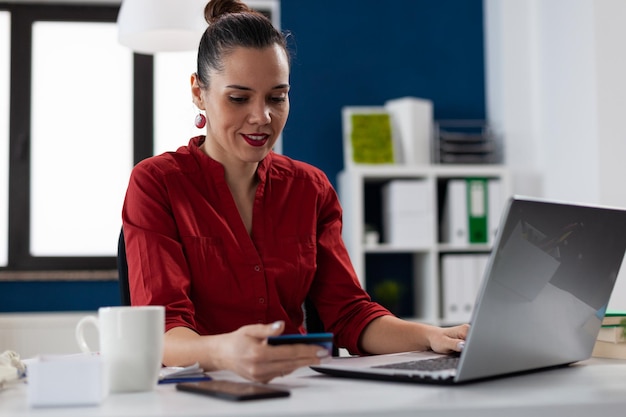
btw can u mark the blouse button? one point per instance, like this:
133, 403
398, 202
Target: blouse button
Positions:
257, 268
261, 300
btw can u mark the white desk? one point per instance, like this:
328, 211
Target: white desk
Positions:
592, 388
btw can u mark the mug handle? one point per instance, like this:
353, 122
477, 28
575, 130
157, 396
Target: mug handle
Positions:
79, 332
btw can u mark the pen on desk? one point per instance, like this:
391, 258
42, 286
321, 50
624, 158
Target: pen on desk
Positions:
177, 380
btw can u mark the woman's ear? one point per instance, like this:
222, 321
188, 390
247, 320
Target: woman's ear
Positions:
196, 92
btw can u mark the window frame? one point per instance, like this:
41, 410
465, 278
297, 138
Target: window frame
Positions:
21, 265
20, 262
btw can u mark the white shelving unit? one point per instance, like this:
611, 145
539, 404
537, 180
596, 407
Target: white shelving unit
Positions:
417, 266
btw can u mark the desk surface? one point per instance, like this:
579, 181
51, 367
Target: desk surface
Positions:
596, 387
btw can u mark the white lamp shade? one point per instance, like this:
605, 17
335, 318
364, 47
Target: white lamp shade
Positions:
150, 26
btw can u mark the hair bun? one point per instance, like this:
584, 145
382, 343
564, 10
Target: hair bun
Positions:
218, 8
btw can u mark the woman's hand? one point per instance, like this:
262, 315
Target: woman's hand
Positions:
246, 352
389, 334
251, 357
448, 339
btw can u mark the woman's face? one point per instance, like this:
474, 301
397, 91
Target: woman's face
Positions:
246, 104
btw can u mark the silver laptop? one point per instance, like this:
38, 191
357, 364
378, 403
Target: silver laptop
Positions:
542, 299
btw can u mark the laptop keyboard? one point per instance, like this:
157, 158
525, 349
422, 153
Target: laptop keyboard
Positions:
435, 364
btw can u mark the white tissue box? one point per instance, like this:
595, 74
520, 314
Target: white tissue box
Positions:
65, 380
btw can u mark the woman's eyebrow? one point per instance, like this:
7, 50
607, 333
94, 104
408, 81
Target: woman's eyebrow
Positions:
244, 88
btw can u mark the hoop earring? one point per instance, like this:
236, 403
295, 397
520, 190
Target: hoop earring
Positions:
200, 121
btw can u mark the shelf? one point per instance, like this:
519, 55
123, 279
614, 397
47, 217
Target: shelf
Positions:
446, 247
440, 171
416, 268
389, 248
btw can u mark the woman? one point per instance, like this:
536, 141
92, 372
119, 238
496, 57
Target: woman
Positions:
232, 237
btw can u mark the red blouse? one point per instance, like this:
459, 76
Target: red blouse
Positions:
189, 250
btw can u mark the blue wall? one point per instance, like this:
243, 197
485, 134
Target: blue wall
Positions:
364, 52
345, 52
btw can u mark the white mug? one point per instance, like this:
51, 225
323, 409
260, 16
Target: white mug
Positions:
131, 345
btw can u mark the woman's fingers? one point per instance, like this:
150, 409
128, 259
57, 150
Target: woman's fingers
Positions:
253, 358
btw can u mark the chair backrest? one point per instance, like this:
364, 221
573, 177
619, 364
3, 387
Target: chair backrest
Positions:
313, 323
122, 270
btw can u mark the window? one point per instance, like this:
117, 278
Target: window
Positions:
81, 138
174, 111
5, 31
77, 111
75, 133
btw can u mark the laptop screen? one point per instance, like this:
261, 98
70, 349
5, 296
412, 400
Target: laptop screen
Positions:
546, 289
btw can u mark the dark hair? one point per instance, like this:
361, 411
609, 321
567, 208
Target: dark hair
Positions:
232, 24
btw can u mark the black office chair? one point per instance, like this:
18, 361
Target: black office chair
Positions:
122, 270
313, 323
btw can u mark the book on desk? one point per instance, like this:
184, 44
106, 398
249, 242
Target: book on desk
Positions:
611, 340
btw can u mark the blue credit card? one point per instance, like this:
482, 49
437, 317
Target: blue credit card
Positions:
322, 339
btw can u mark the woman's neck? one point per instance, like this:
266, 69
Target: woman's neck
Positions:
242, 182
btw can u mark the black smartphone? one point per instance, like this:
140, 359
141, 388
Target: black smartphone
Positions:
232, 390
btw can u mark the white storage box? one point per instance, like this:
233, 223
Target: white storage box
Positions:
408, 213
67, 380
